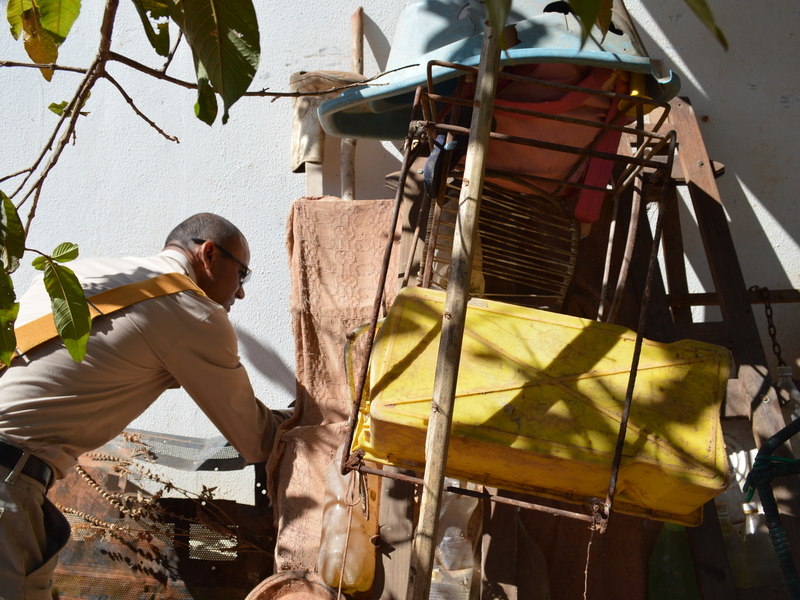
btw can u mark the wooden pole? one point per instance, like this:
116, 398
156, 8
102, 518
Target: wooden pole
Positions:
441, 417
349, 144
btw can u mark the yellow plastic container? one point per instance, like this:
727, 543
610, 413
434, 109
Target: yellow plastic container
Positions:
538, 406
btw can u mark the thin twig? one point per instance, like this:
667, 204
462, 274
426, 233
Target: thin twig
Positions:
171, 54
72, 112
261, 93
158, 74
51, 66
47, 148
129, 100
96, 69
34, 206
264, 92
12, 175
586, 569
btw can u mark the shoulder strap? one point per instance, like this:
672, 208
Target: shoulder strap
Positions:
43, 329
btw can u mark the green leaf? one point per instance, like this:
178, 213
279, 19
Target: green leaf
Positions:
61, 107
39, 43
12, 235
9, 309
702, 10
39, 263
155, 19
206, 106
58, 108
70, 308
224, 38
604, 16
587, 12
57, 16
65, 252
14, 12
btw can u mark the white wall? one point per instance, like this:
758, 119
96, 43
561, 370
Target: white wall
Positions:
121, 187
749, 101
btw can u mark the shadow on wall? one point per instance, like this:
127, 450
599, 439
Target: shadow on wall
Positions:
377, 42
747, 114
268, 363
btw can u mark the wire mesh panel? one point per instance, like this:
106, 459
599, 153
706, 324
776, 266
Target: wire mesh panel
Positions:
526, 251
129, 543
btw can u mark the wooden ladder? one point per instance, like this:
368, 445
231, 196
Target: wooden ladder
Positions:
750, 395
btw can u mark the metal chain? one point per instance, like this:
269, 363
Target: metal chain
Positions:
776, 347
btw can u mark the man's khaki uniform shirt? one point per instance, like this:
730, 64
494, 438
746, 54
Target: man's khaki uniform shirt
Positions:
59, 408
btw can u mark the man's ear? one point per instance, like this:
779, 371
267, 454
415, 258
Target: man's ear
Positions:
204, 251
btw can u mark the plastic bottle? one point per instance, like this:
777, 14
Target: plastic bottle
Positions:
359, 570
670, 572
454, 563
454, 560
791, 410
762, 563
734, 547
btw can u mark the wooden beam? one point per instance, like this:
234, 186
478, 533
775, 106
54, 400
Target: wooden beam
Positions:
438, 437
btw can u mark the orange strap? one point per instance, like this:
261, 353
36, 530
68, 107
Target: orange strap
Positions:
43, 329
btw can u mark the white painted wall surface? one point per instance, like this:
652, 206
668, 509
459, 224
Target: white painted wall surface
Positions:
121, 187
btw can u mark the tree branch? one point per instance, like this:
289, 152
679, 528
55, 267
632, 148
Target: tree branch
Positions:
51, 66
172, 52
12, 175
129, 100
32, 211
158, 74
333, 90
73, 109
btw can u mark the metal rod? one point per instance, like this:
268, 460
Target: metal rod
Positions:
408, 158
622, 276
651, 271
513, 139
483, 495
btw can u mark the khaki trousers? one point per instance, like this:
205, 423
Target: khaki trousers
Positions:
32, 533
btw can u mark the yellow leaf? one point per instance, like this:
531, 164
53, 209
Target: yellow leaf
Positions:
39, 44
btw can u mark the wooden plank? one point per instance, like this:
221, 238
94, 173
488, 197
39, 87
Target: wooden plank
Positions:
659, 325
396, 529
756, 395
695, 164
753, 297
674, 261
499, 551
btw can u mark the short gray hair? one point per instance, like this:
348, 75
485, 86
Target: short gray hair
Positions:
204, 226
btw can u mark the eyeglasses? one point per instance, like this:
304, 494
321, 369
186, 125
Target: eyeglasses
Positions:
244, 277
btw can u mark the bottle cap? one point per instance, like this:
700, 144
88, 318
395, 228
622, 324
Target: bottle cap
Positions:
453, 532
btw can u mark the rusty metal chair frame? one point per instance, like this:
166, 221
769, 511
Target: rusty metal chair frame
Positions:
646, 161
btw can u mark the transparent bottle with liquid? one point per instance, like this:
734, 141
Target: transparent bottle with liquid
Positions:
762, 563
344, 529
791, 410
454, 564
670, 571
454, 558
